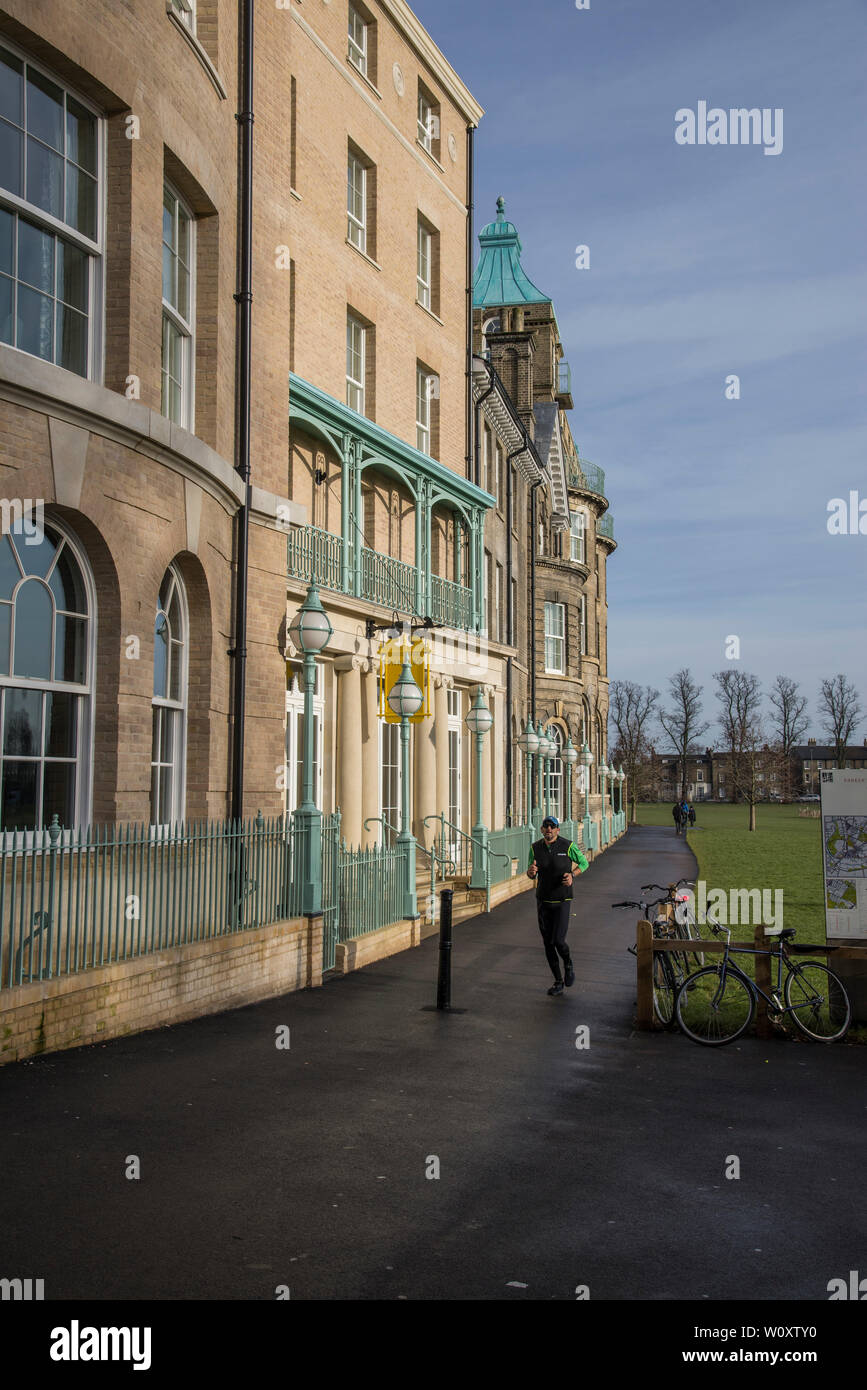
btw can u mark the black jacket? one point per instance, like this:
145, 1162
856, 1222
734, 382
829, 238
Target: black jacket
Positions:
552, 862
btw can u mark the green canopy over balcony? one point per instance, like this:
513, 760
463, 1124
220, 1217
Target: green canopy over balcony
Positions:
343, 563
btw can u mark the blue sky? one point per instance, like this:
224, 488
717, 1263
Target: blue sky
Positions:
704, 261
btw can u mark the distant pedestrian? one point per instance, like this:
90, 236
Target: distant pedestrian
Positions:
553, 862
677, 812
692, 815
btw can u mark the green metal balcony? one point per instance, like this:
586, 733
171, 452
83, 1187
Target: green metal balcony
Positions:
605, 526
323, 556
586, 475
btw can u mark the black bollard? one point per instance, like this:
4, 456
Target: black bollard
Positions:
444, 977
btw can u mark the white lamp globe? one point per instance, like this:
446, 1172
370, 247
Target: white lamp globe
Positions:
405, 698
310, 629
479, 718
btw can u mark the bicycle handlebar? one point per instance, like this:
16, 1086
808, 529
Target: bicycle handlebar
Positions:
645, 887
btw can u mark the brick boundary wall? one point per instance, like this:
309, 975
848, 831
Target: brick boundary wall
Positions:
167, 987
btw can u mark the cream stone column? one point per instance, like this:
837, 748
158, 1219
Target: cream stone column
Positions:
370, 763
495, 731
442, 685
349, 746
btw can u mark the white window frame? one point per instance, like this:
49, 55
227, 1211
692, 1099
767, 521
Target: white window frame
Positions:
555, 641
455, 767
582, 617
294, 750
85, 709
424, 266
356, 191
555, 770
178, 709
186, 12
423, 397
386, 836
357, 52
19, 206
427, 122
486, 577
497, 594
355, 386
174, 321
578, 536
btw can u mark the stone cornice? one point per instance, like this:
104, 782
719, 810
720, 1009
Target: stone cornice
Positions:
421, 41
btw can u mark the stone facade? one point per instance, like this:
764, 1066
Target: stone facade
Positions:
569, 694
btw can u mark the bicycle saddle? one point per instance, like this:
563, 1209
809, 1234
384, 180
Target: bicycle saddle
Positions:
784, 933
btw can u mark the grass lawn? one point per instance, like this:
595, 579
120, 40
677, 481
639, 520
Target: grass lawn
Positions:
784, 851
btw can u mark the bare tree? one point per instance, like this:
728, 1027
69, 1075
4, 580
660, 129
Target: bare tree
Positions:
631, 709
840, 709
740, 696
789, 724
682, 720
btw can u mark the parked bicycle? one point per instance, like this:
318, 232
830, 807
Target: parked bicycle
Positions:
682, 913
717, 1004
670, 968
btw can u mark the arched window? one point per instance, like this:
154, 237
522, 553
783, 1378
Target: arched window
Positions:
46, 640
168, 755
555, 772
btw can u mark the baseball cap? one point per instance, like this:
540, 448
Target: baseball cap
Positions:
552, 821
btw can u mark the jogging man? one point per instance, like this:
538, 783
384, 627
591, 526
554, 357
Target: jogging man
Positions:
553, 862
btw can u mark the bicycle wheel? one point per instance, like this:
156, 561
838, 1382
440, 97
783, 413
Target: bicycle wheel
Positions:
664, 988
818, 1001
711, 1010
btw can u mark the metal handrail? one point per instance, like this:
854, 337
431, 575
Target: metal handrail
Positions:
419, 846
431, 854
485, 848
440, 817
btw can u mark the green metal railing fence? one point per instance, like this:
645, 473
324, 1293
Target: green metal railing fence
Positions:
513, 843
371, 889
72, 900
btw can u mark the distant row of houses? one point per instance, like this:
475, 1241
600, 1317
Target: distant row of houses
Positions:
709, 774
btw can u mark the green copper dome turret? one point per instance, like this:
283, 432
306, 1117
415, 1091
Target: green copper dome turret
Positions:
500, 278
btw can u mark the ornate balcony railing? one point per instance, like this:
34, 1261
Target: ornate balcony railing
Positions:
605, 526
451, 604
314, 554
584, 474
320, 555
388, 581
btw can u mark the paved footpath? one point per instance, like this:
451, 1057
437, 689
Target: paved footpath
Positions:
558, 1167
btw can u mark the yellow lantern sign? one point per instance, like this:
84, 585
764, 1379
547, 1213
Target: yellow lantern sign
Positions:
392, 655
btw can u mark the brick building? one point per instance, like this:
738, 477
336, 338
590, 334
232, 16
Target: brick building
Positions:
118, 216
376, 469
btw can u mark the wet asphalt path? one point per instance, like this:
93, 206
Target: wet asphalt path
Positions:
557, 1167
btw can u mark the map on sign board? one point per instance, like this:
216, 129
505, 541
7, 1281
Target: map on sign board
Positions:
844, 850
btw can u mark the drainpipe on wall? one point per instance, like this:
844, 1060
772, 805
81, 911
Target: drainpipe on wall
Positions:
469, 371
244, 301
538, 483
510, 625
